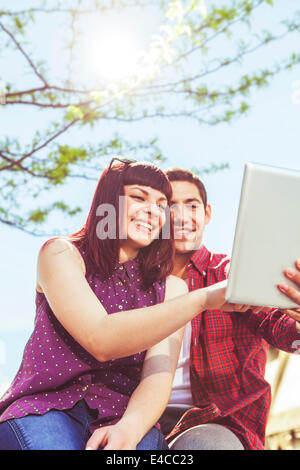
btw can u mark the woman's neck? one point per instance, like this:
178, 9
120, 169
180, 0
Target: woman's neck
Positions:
128, 253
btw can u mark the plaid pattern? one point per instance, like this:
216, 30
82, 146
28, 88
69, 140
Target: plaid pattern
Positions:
228, 357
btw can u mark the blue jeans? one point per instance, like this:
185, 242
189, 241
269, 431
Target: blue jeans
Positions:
210, 436
61, 430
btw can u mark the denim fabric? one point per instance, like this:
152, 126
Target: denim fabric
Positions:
209, 436
72, 373
60, 430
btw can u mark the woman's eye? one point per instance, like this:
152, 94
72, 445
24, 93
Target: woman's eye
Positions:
139, 198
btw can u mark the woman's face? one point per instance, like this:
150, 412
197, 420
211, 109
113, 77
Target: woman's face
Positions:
144, 210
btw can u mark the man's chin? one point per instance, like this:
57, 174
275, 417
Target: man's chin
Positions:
186, 246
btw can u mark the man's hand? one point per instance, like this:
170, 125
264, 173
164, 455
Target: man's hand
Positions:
293, 275
111, 438
292, 292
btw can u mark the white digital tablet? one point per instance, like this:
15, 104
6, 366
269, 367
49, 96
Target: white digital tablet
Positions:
267, 236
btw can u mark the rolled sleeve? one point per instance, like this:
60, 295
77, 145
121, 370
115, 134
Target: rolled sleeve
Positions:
275, 327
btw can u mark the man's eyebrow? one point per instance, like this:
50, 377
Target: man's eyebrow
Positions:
189, 200
163, 198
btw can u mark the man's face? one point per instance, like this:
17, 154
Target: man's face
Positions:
189, 216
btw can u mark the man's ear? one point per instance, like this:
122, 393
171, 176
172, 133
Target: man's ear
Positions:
207, 214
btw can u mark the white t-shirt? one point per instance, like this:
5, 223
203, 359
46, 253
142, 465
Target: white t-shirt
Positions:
181, 389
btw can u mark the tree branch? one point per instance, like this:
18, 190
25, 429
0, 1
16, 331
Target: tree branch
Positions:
47, 142
20, 48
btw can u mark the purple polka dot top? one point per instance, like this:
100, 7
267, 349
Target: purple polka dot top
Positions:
56, 371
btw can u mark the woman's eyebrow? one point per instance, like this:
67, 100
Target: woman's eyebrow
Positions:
163, 198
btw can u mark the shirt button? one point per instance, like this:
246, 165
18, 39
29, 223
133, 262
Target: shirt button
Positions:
121, 267
120, 307
84, 389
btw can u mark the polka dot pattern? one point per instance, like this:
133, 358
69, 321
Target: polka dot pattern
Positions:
56, 372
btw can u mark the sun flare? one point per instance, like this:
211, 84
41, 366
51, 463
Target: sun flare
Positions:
115, 54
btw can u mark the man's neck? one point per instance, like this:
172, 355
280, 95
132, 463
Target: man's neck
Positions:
180, 262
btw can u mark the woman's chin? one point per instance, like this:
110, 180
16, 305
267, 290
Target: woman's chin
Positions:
140, 240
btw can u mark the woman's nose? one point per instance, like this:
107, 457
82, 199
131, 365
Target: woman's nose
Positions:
152, 211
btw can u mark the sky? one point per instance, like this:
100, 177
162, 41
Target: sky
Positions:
269, 134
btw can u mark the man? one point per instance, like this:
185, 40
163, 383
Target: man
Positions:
220, 399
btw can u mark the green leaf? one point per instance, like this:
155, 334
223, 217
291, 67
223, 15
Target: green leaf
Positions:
38, 216
18, 24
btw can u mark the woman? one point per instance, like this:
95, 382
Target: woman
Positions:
90, 379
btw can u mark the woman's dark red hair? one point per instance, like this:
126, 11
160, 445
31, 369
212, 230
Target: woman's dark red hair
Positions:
156, 260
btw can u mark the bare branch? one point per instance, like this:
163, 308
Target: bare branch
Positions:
23, 229
96, 9
49, 105
20, 48
40, 147
47, 88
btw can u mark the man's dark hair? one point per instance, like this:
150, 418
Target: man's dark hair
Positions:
178, 174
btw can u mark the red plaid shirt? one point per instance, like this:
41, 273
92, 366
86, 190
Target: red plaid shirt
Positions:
228, 358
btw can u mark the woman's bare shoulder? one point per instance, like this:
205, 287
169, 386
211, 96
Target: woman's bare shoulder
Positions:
60, 251
175, 286
57, 246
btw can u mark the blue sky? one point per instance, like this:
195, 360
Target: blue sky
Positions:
269, 134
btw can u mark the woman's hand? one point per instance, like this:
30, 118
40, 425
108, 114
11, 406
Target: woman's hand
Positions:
215, 299
113, 437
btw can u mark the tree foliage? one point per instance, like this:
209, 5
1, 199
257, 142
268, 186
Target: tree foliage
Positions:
184, 72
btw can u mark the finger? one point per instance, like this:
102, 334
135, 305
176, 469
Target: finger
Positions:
97, 439
117, 442
242, 308
228, 308
246, 308
293, 275
260, 309
238, 307
290, 292
255, 309
116, 445
294, 314
235, 308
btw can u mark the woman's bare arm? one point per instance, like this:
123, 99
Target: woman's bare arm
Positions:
61, 277
150, 398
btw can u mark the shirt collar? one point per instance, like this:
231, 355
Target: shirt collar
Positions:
128, 267
200, 260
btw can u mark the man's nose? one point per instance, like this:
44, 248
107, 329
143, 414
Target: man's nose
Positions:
180, 215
